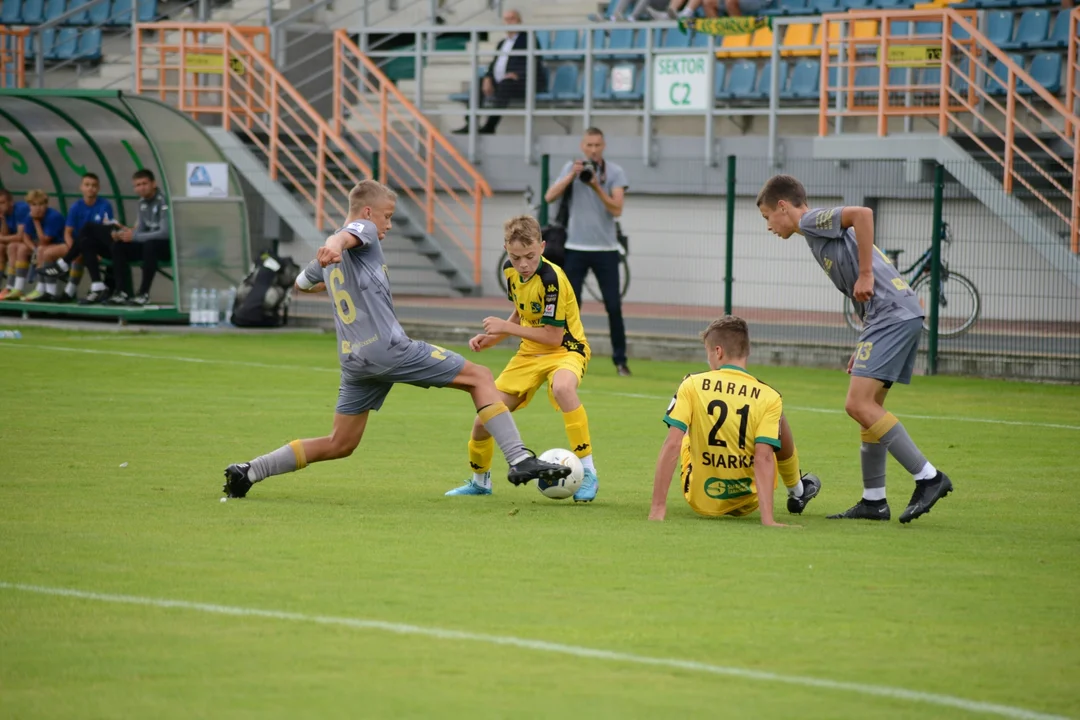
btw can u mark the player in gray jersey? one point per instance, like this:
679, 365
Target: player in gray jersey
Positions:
375, 353
842, 241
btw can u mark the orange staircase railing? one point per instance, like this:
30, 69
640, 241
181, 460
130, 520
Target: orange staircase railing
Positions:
413, 155
1072, 69
12, 57
957, 98
220, 70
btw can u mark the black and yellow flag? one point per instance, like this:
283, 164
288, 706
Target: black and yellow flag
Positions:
742, 25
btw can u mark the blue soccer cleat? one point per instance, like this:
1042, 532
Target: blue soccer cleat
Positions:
589, 486
471, 488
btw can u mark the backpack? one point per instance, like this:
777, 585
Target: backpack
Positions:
554, 235
262, 300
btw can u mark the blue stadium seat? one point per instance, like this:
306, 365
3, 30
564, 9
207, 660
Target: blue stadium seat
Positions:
995, 82
601, 82
565, 84
1045, 70
1033, 29
793, 7
1059, 34
561, 40
891, 4
825, 6
620, 40
856, 4
28, 47
740, 84
675, 38
899, 28
805, 81
867, 77
54, 9
719, 75
79, 18
701, 40
11, 12
147, 10
764, 83
928, 27
99, 14
33, 11
89, 44
960, 33
121, 12
67, 43
999, 27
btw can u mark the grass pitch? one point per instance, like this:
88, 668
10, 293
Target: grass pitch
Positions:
975, 601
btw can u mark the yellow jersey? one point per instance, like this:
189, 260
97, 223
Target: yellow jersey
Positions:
724, 414
546, 298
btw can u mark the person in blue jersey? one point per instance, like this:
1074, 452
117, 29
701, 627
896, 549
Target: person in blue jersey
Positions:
89, 215
11, 214
43, 237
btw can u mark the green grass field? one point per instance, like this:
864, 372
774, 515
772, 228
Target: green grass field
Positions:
976, 601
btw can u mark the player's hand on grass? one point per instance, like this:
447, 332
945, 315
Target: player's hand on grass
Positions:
658, 513
773, 523
495, 325
326, 256
864, 288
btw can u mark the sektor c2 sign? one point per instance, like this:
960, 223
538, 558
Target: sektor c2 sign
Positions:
681, 83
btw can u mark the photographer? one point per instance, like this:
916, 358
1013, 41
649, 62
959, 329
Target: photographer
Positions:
596, 199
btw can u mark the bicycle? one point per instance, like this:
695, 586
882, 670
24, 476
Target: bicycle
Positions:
590, 285
959, 303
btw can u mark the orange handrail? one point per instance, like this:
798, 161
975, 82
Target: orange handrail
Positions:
13, 57
414, 156
1072, 67
953, 102
254, 99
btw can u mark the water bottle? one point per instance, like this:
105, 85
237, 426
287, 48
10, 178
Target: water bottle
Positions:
230, 300
213, 309
10, 335
193, 308
204, 307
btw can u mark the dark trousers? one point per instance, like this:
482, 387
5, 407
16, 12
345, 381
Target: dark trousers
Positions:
148, 252
505, 92
93, 240
605, 266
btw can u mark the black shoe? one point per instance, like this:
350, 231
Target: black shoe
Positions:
53, 272
927, 492
486, 130
865, 510
622, 370
120, 298
811, 486
140, 300
532, 468
236, 480
460, 131
95, 297
63, 298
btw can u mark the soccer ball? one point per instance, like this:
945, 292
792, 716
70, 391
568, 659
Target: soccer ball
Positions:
567, 486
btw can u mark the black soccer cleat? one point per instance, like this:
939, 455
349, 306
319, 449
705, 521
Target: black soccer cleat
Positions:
95, 297
811, 486
52, 271
237, 483
864, 510
927, 492
532, 468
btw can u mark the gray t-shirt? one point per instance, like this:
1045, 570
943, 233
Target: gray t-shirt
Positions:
370, 338
591, 227
837, 253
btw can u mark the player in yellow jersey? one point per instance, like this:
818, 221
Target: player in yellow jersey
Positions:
553, 349
729, 431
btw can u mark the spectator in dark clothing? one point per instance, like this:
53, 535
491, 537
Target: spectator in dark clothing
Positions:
506, 76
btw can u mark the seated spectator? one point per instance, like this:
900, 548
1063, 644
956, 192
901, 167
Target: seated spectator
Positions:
505, 79
91, 215
735, 8
43, 233
11, 214
686, 8
640, 11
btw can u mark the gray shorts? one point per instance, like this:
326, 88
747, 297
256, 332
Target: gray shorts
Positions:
887, 352
426, 366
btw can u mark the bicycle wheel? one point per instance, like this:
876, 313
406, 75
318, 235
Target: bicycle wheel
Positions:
593, 288
851, 317
500, 278
959, 305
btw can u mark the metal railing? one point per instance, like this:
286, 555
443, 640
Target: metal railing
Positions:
12, 57
413, 155
252, 99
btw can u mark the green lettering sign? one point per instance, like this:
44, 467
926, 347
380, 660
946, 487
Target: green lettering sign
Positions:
18, 161
63, 144
131, 152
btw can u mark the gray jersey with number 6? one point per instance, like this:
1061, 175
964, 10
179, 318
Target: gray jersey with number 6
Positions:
371, 341
837, 252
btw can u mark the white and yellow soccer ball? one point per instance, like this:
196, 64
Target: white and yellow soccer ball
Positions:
567, 486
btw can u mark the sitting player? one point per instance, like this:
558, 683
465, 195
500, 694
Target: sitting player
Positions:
43, 228
375, 353
553, 350
842, 241
728, 425
11, 216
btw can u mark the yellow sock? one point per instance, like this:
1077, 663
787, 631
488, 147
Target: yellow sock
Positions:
480, 454
301, 456
789, 470
882, 426
577, 431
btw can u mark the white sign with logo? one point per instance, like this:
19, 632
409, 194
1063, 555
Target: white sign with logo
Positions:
682, 83
207, 179
622, 78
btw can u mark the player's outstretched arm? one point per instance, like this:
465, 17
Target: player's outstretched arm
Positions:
336, 244
861, 219
545, 334
485, 340
764, 473
310, 278
665, 468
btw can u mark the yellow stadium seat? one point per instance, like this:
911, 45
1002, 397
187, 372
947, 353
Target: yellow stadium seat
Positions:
799, 34
747, 46
862, 30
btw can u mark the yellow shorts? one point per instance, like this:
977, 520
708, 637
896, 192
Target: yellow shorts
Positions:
693, 487
524, 374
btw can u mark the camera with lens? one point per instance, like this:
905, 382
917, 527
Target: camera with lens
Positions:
588, 170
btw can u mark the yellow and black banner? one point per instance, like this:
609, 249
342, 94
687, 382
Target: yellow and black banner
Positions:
724, 25
913, 56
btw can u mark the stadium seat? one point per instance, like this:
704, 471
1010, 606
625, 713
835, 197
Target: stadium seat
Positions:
563, 40
674, 38
1045, 70
1033, 29
899, 28
54, 9
121, 12
11, 12
891, 4
80, 18
701, 40
601, 82
801, 34
805, 81
866, 78
859, 30
66, 45
33, 11
637, 92
719, 76
764, 83
147, 10
618, 40
858, 4
793, 7
997, 79
740, 84
757, 44
99, 14
565, 85
90, 44
998, 27
1059, 34
928, 27
822, 7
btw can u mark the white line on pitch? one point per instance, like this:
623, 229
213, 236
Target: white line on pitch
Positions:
315, 368
913, 696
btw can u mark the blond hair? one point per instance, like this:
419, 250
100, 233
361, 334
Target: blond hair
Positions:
522, 229
367, 193
37, 197
730, 333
